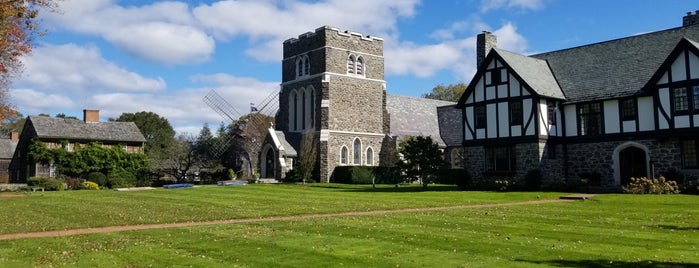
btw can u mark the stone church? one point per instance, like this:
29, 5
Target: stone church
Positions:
602, 112
333, 87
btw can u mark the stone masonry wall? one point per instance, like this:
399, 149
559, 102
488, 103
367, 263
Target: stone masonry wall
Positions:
336, 141
356, 105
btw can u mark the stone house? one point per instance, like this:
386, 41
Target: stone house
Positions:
68, 132
606, 112
333, 87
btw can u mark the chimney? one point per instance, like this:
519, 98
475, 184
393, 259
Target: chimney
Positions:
485, 41
14, 136
91, 116
690, 19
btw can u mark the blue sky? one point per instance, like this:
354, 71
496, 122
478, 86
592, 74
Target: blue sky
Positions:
165, 56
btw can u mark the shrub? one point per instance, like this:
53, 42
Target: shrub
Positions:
88, 185
387, 175
460, 177
532, 180
651, 186
74, 184
592, 178
97, 177
365, 175
49, 184
121, 179
690, 187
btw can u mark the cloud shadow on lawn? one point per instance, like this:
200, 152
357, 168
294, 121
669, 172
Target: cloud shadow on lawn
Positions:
615, 264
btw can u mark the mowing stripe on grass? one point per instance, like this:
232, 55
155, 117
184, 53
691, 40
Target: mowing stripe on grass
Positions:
111, 229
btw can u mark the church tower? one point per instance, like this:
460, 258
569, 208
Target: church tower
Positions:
333, 85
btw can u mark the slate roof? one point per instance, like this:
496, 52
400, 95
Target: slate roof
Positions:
450, 128
291, 142
615, 68
7, 148
535, 72
412, 116
74, 129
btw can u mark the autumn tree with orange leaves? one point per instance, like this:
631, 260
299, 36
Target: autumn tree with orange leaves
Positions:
18, 27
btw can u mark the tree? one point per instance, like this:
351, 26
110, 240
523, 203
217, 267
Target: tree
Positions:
422, 159
14, 122
446, 93
182, 158
159, 134
307, 156
18, 27
246, 136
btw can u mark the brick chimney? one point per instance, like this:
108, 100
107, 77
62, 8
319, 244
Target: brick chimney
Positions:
91, 116
14, 136
690, 19
485, 41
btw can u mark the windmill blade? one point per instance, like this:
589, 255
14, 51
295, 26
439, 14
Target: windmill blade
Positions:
221, 106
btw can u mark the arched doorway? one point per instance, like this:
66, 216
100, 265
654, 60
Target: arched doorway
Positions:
267, 169
632, 164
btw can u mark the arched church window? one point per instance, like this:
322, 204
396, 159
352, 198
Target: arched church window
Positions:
343, 155
292, 110
357, 152
360, 66
369, 157
303, 66
350, 64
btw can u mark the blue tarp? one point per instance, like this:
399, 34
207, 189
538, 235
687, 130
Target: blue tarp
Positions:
178, 185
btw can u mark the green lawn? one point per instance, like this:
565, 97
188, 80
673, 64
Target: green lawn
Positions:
606, 231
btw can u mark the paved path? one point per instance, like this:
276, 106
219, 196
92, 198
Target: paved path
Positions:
111, 229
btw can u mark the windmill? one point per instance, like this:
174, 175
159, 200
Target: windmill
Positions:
251, 147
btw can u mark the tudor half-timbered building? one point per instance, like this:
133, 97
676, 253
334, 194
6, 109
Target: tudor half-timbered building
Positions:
605, 112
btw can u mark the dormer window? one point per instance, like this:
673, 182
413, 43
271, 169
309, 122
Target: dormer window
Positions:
355, 65
303, 66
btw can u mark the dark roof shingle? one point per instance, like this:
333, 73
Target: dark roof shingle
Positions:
615, 68
74, 129
412, 116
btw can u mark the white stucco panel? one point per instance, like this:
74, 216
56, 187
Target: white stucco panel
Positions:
514, 86
693, 66
502, 91
679, 68
571, 120
490, 111
478, 92
490, 93
646, 118
503, 120
468, 123
682, 121
527, 107
611, 116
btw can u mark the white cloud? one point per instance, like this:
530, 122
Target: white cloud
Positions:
35, 102
163, 32
487, 5
71, 67
229, 19
185, 108
455, 55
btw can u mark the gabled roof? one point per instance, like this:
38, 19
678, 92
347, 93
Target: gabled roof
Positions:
615, 68
533, 72
412, 116
290, 142
685, 43
450, 125
74, 129
7, 148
